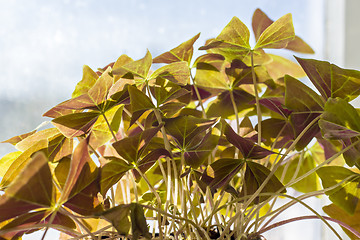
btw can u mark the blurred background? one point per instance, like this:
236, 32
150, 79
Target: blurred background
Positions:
44, 45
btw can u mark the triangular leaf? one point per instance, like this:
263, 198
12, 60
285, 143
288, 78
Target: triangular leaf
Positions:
177, 72
76, 124
340, 120
278, 34
88, 80
21, 161
138, 222
119, 218
139, 102
100, 132
139, 68
351, 220
112, 172
31, 189
280, 66
261, 21
223, 106
183, 52
220, 172
16, 139
248, 148
347, 195
184, 128
82, 171
331, 80
131, 148
255, 175
310, 183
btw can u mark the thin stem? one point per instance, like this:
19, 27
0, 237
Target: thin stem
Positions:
109, 126
278, 224
198, 95
186, 220
258, 109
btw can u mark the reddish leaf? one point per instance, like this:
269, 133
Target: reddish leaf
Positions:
220, 172
255, 175
248, 148
82, 172
16, 139
30, 190
331, 80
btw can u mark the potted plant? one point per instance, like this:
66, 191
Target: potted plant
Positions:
196, 149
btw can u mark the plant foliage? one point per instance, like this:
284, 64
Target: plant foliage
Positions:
201, 148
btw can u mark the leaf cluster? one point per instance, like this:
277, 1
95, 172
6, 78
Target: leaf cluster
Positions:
199, 147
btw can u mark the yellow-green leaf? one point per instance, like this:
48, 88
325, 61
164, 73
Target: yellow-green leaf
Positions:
278, 34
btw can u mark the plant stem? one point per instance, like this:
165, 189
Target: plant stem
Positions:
198, 95
258, 109
278, 224
109, 126
186, 220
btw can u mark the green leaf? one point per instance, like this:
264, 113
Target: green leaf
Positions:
301, 98
210, 71
76, 124
119, 218
306, 106
331, 80
165, 91
131, 148
184, 128
59, 147
261, 21
235, 32
232, 42
177, 72
121, 61
278, 34
222, 106
183, 52
280, 66
139, 68
197, 155
88, 80
255, 175
138, 222
351, 220
7, 160
100, 132
139, 102
21, 161
347, 195
112, 172
340, 120
310, 183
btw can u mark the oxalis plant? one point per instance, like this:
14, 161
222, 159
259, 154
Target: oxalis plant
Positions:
196, 149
